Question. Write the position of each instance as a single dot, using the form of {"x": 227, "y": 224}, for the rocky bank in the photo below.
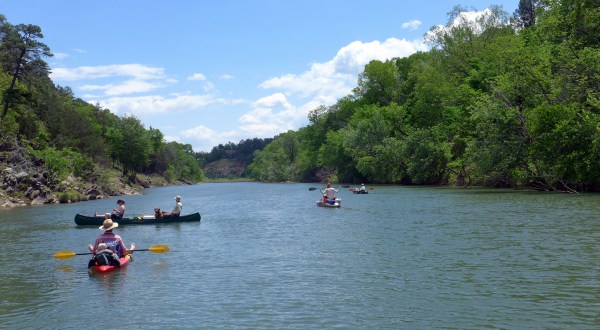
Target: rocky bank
{"x": 25, "y": 180}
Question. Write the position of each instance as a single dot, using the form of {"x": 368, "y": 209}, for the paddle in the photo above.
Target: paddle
{"x": 64, "y": 255}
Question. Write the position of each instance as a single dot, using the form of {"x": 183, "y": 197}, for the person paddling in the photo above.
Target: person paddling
{"x": 112, "y": 240}
{"x": 330, "y": 193}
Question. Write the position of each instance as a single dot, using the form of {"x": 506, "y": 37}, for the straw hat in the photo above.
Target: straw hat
{"x": 177, "y": 198}
{"x": 108, "y": 224}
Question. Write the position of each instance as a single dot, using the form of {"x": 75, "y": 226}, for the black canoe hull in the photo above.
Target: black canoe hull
{"x": 84, "y": 220}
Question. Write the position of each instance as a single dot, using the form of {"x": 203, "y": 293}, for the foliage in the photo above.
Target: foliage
{"x": 497, "y": 101}
{"x": 65, "y": 162}
{"x": 21, "y": 54}
{"x": 278, "y": 161}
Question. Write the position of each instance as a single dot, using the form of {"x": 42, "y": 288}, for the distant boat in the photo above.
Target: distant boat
{"x": 84, "y": 220}
{"x": 360, "y": 191}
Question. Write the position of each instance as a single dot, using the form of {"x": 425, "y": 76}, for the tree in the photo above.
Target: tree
{"x": 22, "y": 52}
{"x": 131, "y": 145}
{"x": 379, "y": 83}
{"x": 525, "y": 14}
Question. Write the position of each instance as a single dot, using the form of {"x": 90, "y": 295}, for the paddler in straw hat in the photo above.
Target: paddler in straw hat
{"x": 112, "y": 240}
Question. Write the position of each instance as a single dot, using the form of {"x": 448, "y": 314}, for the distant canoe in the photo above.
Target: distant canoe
{"x": 84, "y": 220}
{"x": 360, "y": 191}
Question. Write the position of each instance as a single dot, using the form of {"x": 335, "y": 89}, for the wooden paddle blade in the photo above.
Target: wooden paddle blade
{"x": 312, "y": 188}
{"x": 64, "y": 255}
{"x": 159, "y": 249}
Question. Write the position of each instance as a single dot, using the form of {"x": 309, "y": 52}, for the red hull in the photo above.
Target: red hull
{"x": 106, "y": 268}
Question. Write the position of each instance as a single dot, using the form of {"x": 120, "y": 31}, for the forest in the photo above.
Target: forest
{"x": 510, "y": 100}
{"x": 506, "y": 101}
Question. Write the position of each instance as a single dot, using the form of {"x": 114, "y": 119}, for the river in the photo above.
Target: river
{"x": 264, "y": 256}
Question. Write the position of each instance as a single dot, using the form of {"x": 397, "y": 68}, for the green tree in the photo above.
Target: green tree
{"x": 130, "y": 145}
{"x": 379, "y": 83}
{"x": 525, "y": 14}
{"x": 425, "y": 157}
{"x": 22, "y": 50}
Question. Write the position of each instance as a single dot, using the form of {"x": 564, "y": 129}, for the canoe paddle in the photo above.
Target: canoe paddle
{"x": 64, "y": 255}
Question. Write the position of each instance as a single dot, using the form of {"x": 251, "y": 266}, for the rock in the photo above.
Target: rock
{"x": 39, "y": 201}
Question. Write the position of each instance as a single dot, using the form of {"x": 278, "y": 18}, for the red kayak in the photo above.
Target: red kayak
{"x": 109, "y": 268}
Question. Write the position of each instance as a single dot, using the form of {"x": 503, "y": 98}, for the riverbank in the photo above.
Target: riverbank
{"x": 25, "y": 180}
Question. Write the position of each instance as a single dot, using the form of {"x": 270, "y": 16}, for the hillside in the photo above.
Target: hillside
{"x": 224, "y": 168}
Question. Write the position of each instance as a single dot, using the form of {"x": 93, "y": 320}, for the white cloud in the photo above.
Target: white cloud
{"x": 226, "y": 77}
{"x": 126, "y": 87}
{"x": 478, "y": 21}
{"x": 271, "y": 115}
{"x": 412, "y": 25}
{"x": 203, "y": 138}
{"x": 136, "y": 71}
{"x": 60, "y": 56}
{"x": 157, "y": 104}
{"x": 197, "y": 76}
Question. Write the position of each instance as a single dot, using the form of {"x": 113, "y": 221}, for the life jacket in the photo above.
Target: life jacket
{"x": 115, "y": 247}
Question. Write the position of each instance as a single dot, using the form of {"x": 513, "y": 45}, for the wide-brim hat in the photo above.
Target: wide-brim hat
{"x": 177, "y": 197}
{"x": 108, "y": 224}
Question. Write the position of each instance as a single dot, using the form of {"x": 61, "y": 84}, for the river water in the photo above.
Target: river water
{"x": 265, "y": 256}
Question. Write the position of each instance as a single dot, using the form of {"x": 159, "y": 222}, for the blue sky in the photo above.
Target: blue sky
{"x": 209, "y": 72}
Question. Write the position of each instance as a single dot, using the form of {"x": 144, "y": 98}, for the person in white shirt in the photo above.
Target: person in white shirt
{"x": 176, "y": 211}
{"x": 329, "y": 192}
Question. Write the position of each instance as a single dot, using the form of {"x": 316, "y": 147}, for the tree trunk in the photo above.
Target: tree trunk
{"x": 12, "y": 83}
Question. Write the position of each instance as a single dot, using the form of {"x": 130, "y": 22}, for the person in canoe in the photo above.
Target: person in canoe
{"x": 173, "y": 214}
{"x": 112, "y": 240}
{"x": 116, "y": 214}
{"x": 362, "y": 187}
{"x": 104, "y": 256}
{"x": 329, "y": 192}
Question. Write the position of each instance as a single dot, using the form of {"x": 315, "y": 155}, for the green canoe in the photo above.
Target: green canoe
{"x": 84, "y": 220}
